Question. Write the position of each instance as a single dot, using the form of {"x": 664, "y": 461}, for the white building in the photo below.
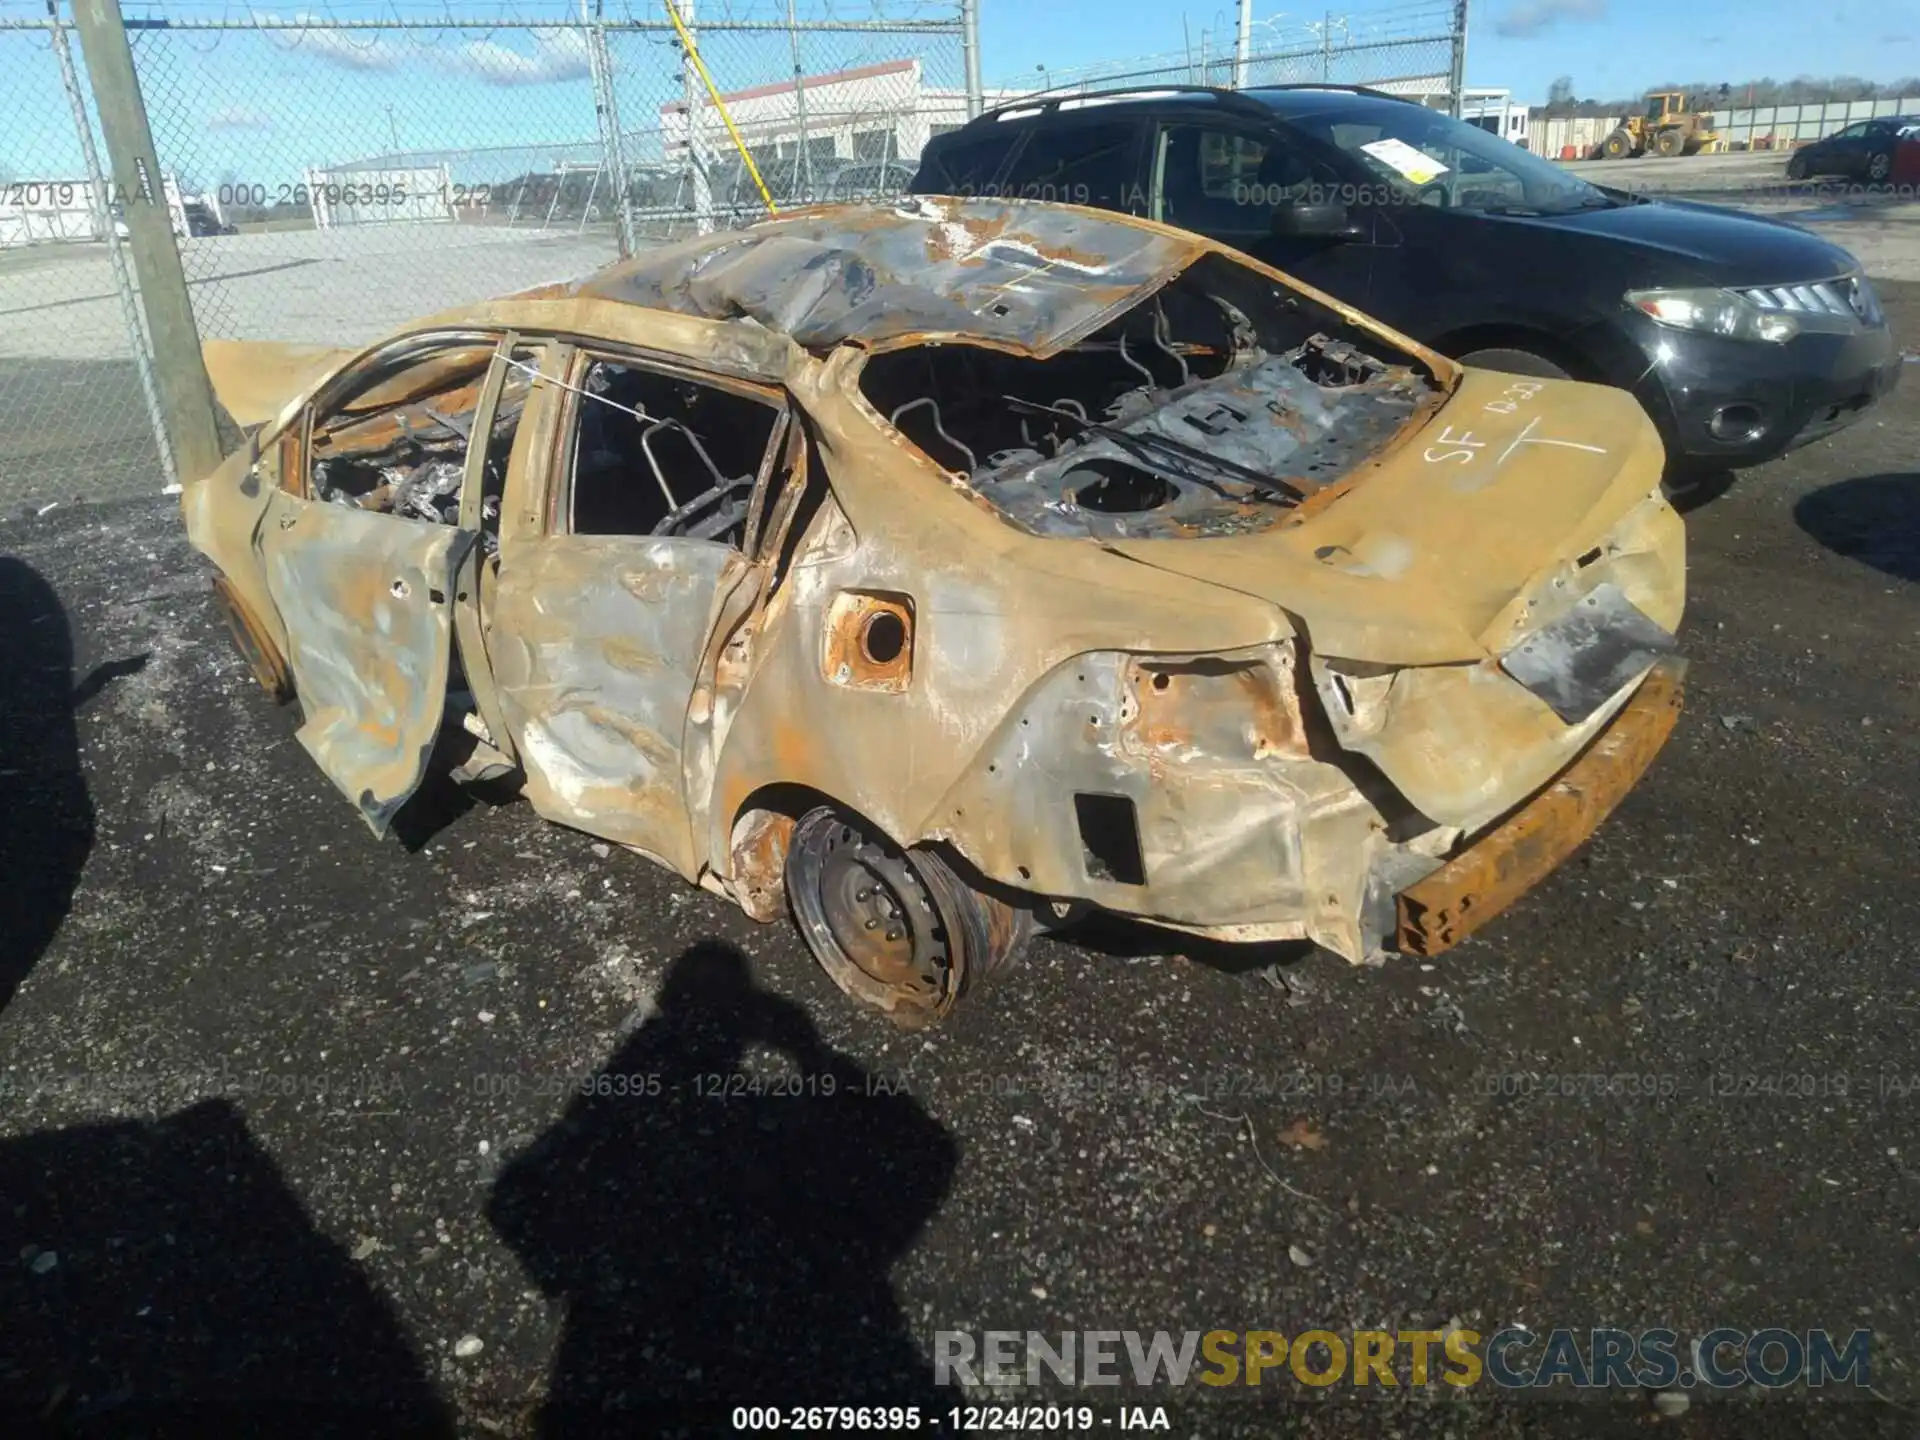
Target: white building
{"x": 868, "y": 116}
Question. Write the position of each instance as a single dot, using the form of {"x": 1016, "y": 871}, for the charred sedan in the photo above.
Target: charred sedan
{"x": 942, "y": 570}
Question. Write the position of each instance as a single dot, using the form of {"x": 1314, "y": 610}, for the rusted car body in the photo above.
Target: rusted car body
{"x": 951, "y": 567}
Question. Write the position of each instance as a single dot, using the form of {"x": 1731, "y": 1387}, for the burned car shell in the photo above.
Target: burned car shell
{"x": 1302, "y": 718}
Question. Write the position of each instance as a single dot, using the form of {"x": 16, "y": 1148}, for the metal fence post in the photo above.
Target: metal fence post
{"x": 606, "y": 107}
{"x": 803, "y": 155}
{"x": 185, "y": 394}
{"x": 970, "y": 54}
{"x": 692, "y": 97}
{"x": 116, "y": 256}
{"x": 1457, "y": 71}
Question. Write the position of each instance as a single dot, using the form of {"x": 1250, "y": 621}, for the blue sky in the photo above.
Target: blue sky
{"x": 1609, "y": 47}
{"x": 260, "y": 107}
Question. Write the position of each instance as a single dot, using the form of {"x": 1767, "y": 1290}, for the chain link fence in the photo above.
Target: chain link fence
{"x": 77, "y": 409}
{"x": 330, "y": 181}
{"x": 1417, "y": 50}
{"x": 837, "y": 110}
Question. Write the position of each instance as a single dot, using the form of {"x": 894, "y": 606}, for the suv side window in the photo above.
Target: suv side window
{"x": 1226, "y": 182}
{"x": 966, "y": 166}
{"x": 1080, "y": 164}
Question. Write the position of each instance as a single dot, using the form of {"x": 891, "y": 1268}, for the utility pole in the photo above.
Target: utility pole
{"x": 393, "y": 130}
{"x": 1243, "y": 45}
{"x": 186, "y": 396}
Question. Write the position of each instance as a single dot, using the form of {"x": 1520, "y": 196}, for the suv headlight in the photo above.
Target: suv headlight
{"x": 1714, "y": 312}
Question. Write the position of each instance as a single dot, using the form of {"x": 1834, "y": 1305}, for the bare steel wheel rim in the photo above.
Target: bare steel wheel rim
{"x": 880, "y": 913}
{"x": 873, "y": 920}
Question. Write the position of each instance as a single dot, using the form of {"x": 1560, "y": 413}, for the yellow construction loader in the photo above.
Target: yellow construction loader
{"x": 1670, "y": 126}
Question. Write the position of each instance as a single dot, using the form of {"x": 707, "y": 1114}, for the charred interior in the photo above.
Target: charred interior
{"x": 661, "y": 455}
{"x": 409, "y": 460}
{"x": 655, "y": 454}
{"x": 1210, "y": 408}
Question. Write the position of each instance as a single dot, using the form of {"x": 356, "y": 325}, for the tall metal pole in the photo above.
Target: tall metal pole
{"x": 186, "y": 395}
{"x": 606, "y": 108}
{"x": 692, "y": 97}
{"x": 116, "y": 253}
{"x": 1457, "y": 72}
{"x": 803, "y": 160}
{"x": 970, "y": 54}
{"x": 1243, "y": 45}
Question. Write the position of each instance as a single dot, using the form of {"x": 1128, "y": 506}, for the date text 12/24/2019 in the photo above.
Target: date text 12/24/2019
{"x": 955, "y": 1419}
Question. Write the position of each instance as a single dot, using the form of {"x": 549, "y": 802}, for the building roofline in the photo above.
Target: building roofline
{"x": 785, "y": 87}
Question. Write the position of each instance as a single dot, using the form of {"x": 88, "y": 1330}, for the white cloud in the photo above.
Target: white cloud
{"x": 355, "y": 49}
{"x": 239, "y": 117}
{"x": 557, "y": 55}
{"x": 1531, "y": 17}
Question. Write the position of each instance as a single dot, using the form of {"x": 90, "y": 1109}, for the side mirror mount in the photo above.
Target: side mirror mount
{"x": 1314, "y": 220}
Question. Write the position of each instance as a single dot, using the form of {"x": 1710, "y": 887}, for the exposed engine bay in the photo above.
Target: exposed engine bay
{"x": 1184, "y": 417}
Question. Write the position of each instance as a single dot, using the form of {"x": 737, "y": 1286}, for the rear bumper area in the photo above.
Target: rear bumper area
{"x": 1522, "y": 850}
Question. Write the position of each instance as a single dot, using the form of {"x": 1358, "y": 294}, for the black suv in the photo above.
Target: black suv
{"x": 1742, "y": 337}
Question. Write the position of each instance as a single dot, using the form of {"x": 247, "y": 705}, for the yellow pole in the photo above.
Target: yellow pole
{"x": 693, "y": 54}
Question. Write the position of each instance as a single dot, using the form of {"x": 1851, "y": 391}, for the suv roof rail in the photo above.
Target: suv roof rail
{"x": 1049, "y": 102}
{"x": 1335, "y": 85}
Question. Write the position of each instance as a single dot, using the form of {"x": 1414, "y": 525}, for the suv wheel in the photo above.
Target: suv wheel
{"x": 1514, "y": 362}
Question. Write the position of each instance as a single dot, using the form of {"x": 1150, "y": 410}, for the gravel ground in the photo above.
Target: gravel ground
{"x": 292, "y": 1137}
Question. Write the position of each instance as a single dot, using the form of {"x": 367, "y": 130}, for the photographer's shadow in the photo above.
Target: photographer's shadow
{"x": 714, "y": 1246}
{"x": 46, "y": 814}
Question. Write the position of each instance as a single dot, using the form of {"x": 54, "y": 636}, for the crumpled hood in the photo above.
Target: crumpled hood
{"x": 1426, "y": 556}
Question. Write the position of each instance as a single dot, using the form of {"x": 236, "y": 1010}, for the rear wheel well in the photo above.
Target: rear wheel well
{"x": 757, "y": 845}
{"x": 1518, "y": 337}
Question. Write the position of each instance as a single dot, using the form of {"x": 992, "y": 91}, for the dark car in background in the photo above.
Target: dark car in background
{"x": 201, "y": 220}
{"x": 1863, "y": 151}
{"x": 1742, "y": 337}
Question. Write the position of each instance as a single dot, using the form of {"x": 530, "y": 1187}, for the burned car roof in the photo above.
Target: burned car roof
{"x": 1010, "y": 271}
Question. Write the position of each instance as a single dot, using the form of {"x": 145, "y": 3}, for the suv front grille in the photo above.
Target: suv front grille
{"x": 1848, "y": 298}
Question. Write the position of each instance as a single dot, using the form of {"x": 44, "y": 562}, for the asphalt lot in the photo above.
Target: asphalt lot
{"x": 296, "y": 1113}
